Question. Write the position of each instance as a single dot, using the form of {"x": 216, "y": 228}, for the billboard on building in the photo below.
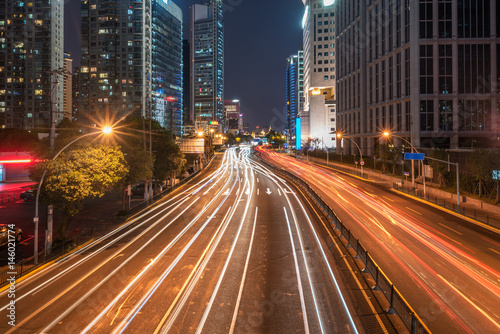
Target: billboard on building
{"x": 192, "y": 145}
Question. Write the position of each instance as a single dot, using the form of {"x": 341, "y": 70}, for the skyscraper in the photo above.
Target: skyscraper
{"x": 167, "y": 80}
{"x": 116, "y": 66}
{"x": 429, "y": 74}
{"x": 68, "y": 86}
{"x": 294, "y": 94}
{"x": 207, "y": 64}
{"x": 318, "y": 117}
{"x": 31, "y": 63}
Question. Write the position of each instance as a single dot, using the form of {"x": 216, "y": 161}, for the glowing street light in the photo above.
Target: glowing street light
{"x": 388, "y": 135}
{"x": 340, "y": 137}
{"x": 106, "y": 130}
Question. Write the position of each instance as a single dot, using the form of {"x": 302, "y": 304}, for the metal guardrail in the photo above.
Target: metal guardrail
{"x": 480, "y": 216}
{"x": 398, "y": 304}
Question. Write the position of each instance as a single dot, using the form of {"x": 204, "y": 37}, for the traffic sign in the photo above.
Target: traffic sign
{"x": 362, "y": 163}
{"x": 407, "y": 173}
{"x": 356, "y": 162}
{"x": 414, "y": 156}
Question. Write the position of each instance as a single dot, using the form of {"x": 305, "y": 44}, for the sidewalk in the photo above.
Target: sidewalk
{"x": 476, "y": 211}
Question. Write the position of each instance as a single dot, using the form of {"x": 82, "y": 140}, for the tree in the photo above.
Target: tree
{"x": 77, "y": 175}
{"x": 482, "y": 163}
{"x": 168, "y": 158}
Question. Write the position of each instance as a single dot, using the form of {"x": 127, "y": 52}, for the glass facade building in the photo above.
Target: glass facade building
{"x": 294, "y": 93}
{"x": 167, "y": 69}
{"x": 32, "y": 50}
{"x": 207, "y": 64}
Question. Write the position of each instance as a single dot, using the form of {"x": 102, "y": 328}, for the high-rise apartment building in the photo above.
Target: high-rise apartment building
{"x": 233, "y": 116}
{"x": 68, "y": 86}
{"x": 207, "y": 65}
{"x": 31, "y": 63}
{"x": 116, "y": 67}
{"x": 318, "y": 116}
{"x": 167, "y": 79}
{"x": 429, "y": 74}
{"x": 294, "y": 95}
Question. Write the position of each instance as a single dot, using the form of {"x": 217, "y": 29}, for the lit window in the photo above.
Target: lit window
{"x": 38, "y": 92}
{"x": 93, "y": 69}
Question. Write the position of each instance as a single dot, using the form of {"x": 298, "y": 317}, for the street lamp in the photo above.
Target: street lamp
{"x": 106, "y": 130}
{"x": 340, "y": 137}
{"x": 387, "y": 135}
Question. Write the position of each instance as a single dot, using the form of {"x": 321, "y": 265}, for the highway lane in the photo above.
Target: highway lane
{"x": 236, "y": 252}
{"x": 447, "y": 268}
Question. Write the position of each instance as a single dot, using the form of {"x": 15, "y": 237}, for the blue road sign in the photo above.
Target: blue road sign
{"x": 414, "y": 156}
{"x": 407, "y": 173}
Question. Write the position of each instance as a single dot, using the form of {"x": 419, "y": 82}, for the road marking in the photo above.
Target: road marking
{"x": 258, "y": 191}
{"x": 470, "y": 302}
{"x": 238, "y": 301}
{"x": 418, "y": 213}
{"x": 257, "y": 180}
{"x": 297, "y": 271}
{"x": 279, "y": 191}
{"x": 449, "y": 228}
{"x": 493, "y": 250}
{"x": 269, "y": 192}
{"x": 388, "y": 198}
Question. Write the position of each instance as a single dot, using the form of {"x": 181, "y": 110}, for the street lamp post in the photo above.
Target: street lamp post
{"x": 340, "y": 137}
{"x": 106, "y": 130}
{"x": 387, "y": 134}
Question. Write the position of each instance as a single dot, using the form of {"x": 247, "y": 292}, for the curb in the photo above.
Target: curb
{"x": 470, "y": 220}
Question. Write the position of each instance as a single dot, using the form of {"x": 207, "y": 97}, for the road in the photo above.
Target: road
{"x": 236, "y": 252}
{"x": 446, "y": 267}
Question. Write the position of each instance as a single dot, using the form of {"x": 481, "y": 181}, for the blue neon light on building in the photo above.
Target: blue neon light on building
{"x": 298, "y": 139}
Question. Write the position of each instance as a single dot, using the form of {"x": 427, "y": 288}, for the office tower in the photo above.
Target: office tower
{"x": 75, "y": 113}
{"x": 68, "y": 86}
{"x": 207, "y": 61}
{"x": 167, "y": 79}
{"x": 116, "y": 66}
{"x": 294, "y": 95}
{"x": 233, "y": 117}
{"x": 317, "y": 117}
{"x": 186, "y": 81}
{"x": 429, "y": 74}
{"x": 31, "y": 63}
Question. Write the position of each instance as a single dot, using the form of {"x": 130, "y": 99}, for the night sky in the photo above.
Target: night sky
{"x": 259, "y": 36}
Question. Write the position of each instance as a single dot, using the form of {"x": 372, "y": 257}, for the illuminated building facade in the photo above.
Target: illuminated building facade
{"x": 429, "y": 74}
{"x": 116, "y": 67}
{"x": 32, "y": 41}
{"x": 207, "y": 64}
{"x": 233, "y": 116}
{"x": 294, "y": 94}
{"x": 167, "y": 80}
{"x": 318, "y": 115}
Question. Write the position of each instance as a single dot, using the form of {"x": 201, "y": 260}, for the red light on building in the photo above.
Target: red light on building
{"x": 20, "y": 161}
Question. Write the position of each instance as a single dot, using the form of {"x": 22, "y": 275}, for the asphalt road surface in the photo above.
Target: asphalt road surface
{"x": 447, "y": 268}
{"x": 238, "y": 252}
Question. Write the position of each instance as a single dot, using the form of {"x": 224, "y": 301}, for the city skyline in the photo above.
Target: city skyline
{"x": 245, "y": 42}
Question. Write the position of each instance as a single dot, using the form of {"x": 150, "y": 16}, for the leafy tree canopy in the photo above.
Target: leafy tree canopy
{"x": 80, "y": 174}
